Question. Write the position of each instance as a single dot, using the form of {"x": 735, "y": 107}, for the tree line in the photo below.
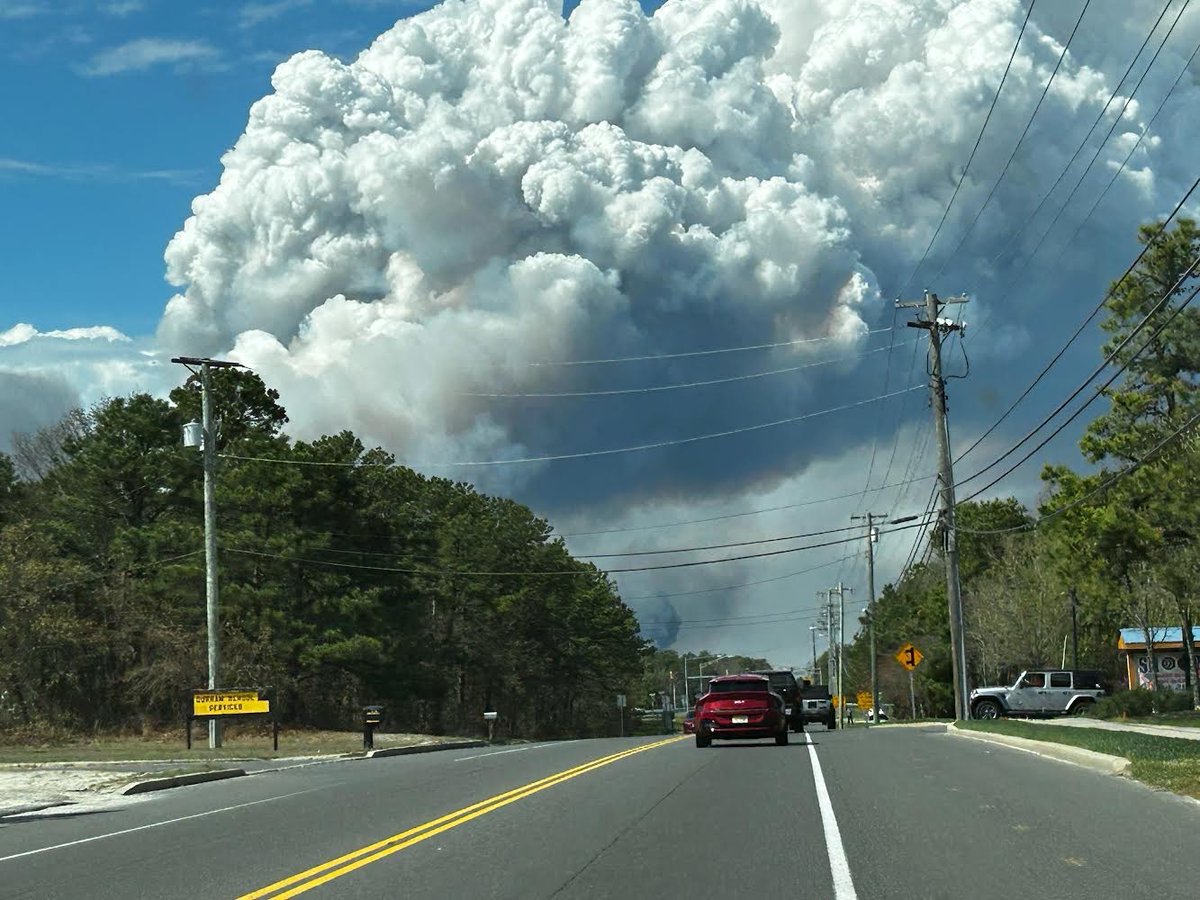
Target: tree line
{"x": 1116, "y": 545}
{"x": 345, "y": 579}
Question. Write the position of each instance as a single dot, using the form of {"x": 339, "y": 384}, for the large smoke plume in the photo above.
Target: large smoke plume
{"x": 490, "y": 187}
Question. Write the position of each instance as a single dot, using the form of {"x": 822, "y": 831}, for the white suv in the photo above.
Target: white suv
{"x": 1039, "y": 692}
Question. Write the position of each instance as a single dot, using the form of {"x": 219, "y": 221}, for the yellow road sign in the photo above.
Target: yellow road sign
{"x": 909, "y": 656}
{"x": 228, "y": 703}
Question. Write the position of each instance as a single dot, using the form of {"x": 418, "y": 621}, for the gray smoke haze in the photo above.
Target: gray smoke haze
{"x": 489, "y": 188}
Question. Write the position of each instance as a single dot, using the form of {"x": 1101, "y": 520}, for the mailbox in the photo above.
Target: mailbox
{"x": 372, "y": 715}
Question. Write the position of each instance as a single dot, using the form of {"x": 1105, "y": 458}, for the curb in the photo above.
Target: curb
{"x": 31, "y": 808}
{"x": 1088, "y": 759}
{"x": 161, "y": 784}
{"x": 423, "y": 748}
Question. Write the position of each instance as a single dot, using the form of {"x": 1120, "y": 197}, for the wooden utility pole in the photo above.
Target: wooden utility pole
{"x": 937, "y": 327}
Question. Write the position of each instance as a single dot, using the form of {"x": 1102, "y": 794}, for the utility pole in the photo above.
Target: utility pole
{"x": 872, "y": 537}
{"x": 827, "y": 623}
{"x": 841, "y": 591}
{"x": 937, "y": 327}
{"x": 1074, "y": 630}
{"x": 208, "y": 447}
{"x": 816, "y": 673}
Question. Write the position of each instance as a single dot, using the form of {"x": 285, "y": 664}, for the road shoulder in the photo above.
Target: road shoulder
{"x": 1090, "y": 759}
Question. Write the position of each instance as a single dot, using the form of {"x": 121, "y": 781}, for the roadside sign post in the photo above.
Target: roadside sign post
{"x": 910, "y": 657}
{"x": 214, "y": 705}
{"x": 621, "y": 712}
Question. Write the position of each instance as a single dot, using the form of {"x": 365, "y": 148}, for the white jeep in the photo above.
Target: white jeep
{"x": 1039, "y": 692}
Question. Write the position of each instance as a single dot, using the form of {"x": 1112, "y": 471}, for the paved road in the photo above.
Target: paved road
{"x": 881, "y": 814}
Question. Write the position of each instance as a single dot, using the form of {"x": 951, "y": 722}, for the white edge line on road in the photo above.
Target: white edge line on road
{"x": 498, "y": 752}
{"x": 843, "y": 884}
{"x": 100, "y": 837}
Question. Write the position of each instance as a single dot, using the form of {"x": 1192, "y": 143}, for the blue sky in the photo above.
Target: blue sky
{"x": 116, "y": 116}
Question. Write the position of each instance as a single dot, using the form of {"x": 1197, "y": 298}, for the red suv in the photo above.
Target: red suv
{"x": 738, "y": 707}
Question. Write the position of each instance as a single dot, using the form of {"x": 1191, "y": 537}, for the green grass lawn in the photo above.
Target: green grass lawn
{"x": 1171, "y": 763}
{"x": 238, "y": 743}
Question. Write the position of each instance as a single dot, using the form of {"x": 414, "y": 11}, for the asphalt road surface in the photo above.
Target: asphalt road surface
{"x": 905, "y": 813}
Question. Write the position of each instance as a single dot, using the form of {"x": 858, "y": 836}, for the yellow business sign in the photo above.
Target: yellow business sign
{"x": 228, "y": 703}
{"x": 909, "y": 657}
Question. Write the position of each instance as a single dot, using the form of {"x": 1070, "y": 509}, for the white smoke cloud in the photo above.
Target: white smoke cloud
{"x": 488, "y": 188}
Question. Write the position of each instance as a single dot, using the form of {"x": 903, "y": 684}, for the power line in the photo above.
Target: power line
{"x": 1159, "y": 304}
{"x": 771, "y": 540}
{"x": 1020, "y": 230}
{"x": 801, "y": 613}
{"x": 733, "y": 587}
{"x": 929, "y": 247}
{"x": 674, "y": 387}
{"x": 738, "y": 515}
{"x": 592, "y": 453}
{"x": 1103, "y": 486}
{"x": 1078, "y": 331}
{"x": 962, "y": 176}
{"x": 1085, "y": 405}
{"x": 621, "y": 359}
{"x": 780, "y": 621}
{"x": 627, "y": 553}
{"x": 1041, "y": 241}
{"x": 912, "y": 553}
{"x": 1029, "y": 124}
{"x": 1125, "y": 162}
{"x": 590, "y": 572}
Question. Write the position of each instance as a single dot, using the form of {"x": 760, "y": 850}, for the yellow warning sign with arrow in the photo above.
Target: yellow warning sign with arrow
{"x": 909, "y": 656}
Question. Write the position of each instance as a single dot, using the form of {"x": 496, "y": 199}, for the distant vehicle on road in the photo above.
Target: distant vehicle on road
{"x": 816, "y": 706}
{"x": 689, "y": 722}
{"x": 1040, "y": 692}
{"x": 739, "y": 707}
{"x": 783, "y": 683}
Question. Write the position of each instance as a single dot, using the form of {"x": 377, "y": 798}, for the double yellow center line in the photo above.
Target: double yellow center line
{"x": 335, "y": 868}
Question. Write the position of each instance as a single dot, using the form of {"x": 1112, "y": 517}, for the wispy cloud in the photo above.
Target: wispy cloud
{"x": 144, "y": 53}
{"x": 67, "y": 39}
{"x": 121, "y": 8}
{"x": 23, "y": 332}
{"x": 94, "y": 172}
{"x": 17, "y": 9}
{"x": 253, "y": 14}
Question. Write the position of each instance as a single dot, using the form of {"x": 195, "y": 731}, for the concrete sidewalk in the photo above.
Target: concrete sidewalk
{"x": 1171, "y": 731}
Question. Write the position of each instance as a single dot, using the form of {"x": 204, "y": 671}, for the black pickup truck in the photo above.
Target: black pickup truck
{"x": 783, "y": 683}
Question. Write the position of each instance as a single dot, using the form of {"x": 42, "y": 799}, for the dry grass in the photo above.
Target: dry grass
{"x": 240, "y": 742}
